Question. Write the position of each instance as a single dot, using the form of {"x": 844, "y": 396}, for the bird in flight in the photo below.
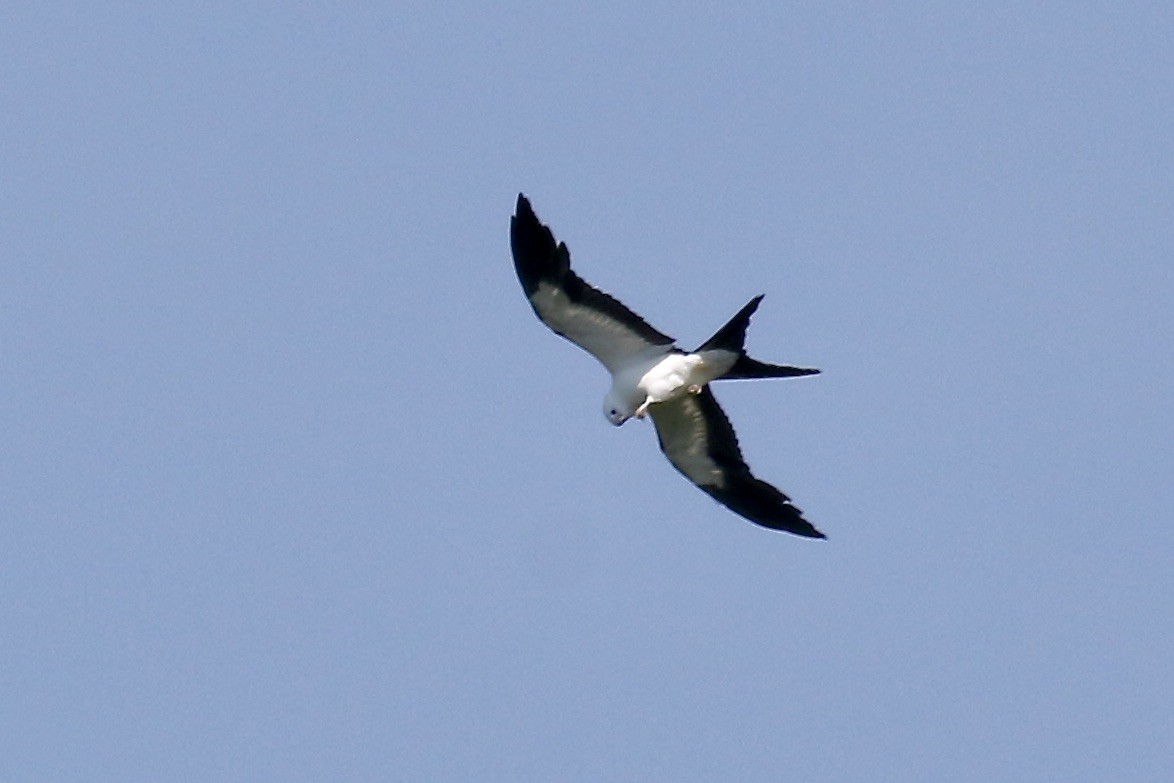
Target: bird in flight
{"x": 650, "y": 376}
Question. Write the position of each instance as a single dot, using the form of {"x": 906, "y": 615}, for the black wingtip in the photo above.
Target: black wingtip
{"x": 799, "y": 527}
{"x": 762, "y": 504}
{"x": 536, "y": 254}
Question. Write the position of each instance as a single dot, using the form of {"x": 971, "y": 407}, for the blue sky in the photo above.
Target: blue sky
{"x": 295, "y": 487}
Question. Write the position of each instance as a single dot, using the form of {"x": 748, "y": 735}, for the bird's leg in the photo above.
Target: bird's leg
{"x": 642, "y": 411}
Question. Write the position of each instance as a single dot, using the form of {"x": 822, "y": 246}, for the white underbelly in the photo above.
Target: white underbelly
{"x": 674, "y": 374}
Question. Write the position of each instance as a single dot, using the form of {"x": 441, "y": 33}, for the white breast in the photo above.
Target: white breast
{"x": 672, "y": 375}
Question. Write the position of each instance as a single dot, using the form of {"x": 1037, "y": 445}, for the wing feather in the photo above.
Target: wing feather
{"x": 595, "y": 321}
{"x": 700, "y": 442}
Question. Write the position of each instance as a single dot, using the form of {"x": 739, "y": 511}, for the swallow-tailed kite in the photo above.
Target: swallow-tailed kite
{"x": 651, "y": 376}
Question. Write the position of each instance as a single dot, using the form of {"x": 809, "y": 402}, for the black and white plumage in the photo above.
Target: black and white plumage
{"x": 651, "y": 376}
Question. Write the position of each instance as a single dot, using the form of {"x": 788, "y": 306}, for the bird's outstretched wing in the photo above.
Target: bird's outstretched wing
{"x": 698, "y": 439}
{"x": 591, "y": 319}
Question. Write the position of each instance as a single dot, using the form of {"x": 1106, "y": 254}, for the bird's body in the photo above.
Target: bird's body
{"x": 677, "y": 374}
{"x": 646, "y": 381}
{"x": 651, "y": 376}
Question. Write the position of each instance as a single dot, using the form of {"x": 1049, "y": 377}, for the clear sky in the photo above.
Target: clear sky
{"x": 294, "y": 486}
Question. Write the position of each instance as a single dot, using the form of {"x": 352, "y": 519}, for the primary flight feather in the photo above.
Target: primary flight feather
{"x": 651, "y": 376}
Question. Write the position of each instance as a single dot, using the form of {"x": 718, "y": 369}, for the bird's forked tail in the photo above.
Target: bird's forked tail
{"x": 732, "y": 338}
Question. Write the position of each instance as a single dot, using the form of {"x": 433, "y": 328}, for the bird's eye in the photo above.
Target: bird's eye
{"x": 613, "y": 411}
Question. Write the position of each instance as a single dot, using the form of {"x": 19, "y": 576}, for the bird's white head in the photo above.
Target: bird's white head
{"x": 616, "y": 409}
